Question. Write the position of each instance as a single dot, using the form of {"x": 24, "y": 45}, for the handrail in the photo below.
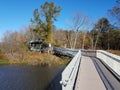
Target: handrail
{"x": 110, "y": 55}
{"x": 70, "y": 73}
{"x": 111, "y": 60}
{"x": 65, "y": 51}
{"x": 90, "y": 53}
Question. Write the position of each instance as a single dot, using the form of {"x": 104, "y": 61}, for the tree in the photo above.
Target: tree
{"x": 43, "y": 20}
{"x": 13, "y": 45}
{"x": 114, "y": 39}
{"x": 30, "y": 34}
{"x": 60, "y": 38}
{"x": 115, "y": 13}
{"x": 101, "y": 32}
{"x": 79, "y": 21}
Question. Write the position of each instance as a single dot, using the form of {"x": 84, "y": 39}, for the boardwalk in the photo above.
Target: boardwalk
{"x": 88, "y": 77}
{"x": 99, "y": 71}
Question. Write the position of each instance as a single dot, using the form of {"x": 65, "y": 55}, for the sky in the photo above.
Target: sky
{"x": 15, "y": 14}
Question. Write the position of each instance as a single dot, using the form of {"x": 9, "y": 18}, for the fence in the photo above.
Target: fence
{"x": 70, "y": 73}
{"x": 65, "y": 51}
{"x": 91, "y": 53}
{"x": 111, "y": 60}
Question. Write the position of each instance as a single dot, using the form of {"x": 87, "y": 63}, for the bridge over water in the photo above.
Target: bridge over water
{"x": 90, "y": 70}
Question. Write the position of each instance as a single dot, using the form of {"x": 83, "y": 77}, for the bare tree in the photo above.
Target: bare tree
{"x": 13, "y": 44}
{"x": 86, "y": 28}
{"x": 30, "y": 34}
{"x": 9, "y": 42}
{"x": 114, "y": 14}
{"x": 79, "y": 21}
{"x": 60, "y": 38}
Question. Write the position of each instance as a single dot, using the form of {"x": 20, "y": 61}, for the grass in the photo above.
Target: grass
{"x": 3, "y": 62}
{"x": 117, "y": 52}
{"x": 35, "y": 58}
{"x": 46, "y": 59}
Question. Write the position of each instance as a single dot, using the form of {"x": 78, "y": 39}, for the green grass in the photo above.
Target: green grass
{"x": 3, "y": 62}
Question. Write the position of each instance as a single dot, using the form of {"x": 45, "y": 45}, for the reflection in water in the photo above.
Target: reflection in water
{"x": 27, "y": 77}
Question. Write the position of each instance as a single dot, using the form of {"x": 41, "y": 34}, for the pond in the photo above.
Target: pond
{"x": 27, "y": 77}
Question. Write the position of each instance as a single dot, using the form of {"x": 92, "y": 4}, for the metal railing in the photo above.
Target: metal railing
{"x": 90, "y": 53}
{"x": 65, "y": 51}
{"x": 70, "y": 73}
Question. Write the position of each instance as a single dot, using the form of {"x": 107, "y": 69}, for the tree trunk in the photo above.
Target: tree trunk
{"x": 75, "y": 39}
{"x": 83, "y": 41}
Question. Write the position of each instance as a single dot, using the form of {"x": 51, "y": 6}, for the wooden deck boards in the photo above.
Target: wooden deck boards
{"x": 88, "y": 77}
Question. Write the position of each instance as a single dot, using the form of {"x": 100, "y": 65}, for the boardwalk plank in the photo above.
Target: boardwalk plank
{"x": 88, "y": 77}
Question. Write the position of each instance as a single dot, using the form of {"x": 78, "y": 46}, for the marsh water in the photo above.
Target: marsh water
{"x": 27, "y": 77}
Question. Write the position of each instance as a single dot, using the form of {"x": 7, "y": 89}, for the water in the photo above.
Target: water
{"x": 27, "y": 77}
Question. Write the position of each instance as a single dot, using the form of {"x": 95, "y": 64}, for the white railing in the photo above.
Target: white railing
{"x": 65, "y": 51}
{"x": 91, "y": 53}
{"x": 70, "y": 73}
{"x": 113, "y": 61}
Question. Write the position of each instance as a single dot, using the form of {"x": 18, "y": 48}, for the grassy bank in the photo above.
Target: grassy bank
{"x": 34, "y": 58}
{"x": 3, "y": 62}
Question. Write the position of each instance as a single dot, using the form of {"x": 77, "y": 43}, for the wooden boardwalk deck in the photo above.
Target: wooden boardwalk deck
{"x": 88, "y": 77}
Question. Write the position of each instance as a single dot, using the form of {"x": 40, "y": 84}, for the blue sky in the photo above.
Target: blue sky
{"x": 14, "y": 14}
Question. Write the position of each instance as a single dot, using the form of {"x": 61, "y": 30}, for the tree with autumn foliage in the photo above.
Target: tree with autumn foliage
{"x": 43, "y": 20}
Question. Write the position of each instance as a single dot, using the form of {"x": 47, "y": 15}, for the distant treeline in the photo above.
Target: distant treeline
{"x": 103, "y": 34}
{"x": 89, "y": 39}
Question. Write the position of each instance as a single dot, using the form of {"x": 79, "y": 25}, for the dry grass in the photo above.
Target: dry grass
{"x": 117, "y": 52}
{"x": 35, "y": 58}
{"x": 45, "y": 59}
